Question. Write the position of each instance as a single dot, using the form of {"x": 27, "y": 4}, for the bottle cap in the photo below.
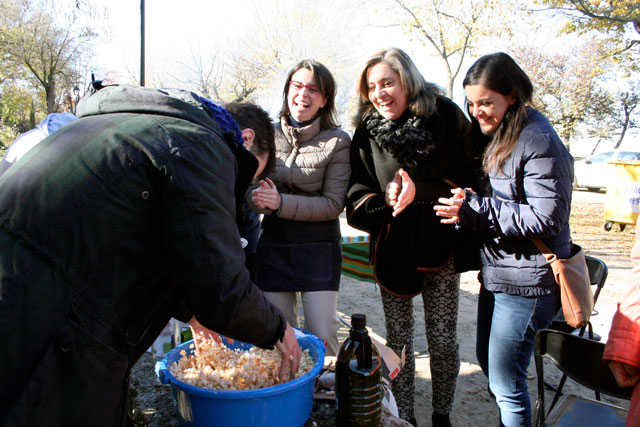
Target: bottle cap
{"x": 358, "y": 321}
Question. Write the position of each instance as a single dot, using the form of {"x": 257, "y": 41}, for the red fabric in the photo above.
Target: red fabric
{"x": 623, "y": 344}
{"x": 633, "y": 418}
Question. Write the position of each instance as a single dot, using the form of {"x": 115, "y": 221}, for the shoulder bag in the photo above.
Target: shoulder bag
{"x": 572, "y": 276}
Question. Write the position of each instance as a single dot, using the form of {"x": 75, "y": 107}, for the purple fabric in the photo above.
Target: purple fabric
{"x": 224, "y": 119}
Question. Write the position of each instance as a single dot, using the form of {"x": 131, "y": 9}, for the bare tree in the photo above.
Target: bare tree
{"x": 629, "y": 101}
{"x": 566, "y": 85}
{"x": 283, "y": 32}
{"x": 619, "y": 112}
{"x": 208, "y": 71}
{"x": 453, "y": 28}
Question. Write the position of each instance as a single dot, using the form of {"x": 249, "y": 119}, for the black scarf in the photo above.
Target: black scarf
{"x": 405, "y": 138}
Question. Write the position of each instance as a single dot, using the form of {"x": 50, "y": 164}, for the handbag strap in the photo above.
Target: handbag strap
{"x": 548, "y": 255}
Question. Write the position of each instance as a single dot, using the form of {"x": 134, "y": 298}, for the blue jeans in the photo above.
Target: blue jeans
{"x": 507, "y": 325}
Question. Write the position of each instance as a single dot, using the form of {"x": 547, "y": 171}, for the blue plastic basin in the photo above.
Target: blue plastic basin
{"x": 283, "y": 405}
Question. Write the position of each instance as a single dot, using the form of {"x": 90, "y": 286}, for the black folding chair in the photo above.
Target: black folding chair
{"x": 598, "y": 273}
{"x": 581, "y": 360}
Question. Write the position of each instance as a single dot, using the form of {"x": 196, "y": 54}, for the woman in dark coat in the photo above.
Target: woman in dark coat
{"x": 405, "y": 154}
{"x": 531, "y": 175}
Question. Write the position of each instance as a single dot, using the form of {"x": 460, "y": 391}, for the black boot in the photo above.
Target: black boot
{"x": 413, "y": 422}
{"x": 440, "y": 420}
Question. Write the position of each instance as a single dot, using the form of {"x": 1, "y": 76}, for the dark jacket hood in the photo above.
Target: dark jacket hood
{"x": 178, "y": 103}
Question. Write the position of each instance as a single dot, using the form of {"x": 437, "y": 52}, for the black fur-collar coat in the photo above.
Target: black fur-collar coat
{"x": 403, "y": 247}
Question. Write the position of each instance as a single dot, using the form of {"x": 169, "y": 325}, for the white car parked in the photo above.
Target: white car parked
{"x": 594, "y": 172}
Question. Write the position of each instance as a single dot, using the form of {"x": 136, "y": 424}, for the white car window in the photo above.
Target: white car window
{"x": 601, "y": 158}
{"x": 628, "y": 155}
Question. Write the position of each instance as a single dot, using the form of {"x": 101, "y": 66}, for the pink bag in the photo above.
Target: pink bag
{"x": 572, "y": 276}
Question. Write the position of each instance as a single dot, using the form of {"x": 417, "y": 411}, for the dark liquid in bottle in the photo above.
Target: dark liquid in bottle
{"x": 358, "y": 387}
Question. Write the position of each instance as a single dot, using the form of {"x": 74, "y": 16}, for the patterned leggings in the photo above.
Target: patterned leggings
{"x": 440, "y": 298}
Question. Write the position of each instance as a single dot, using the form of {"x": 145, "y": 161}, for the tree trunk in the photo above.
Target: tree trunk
{"x": 620, "y": 139}
{"x": 50, "y": 92}
{"x": 450, "y": 88}
{"x": 625, "y": 126}
{"x": 32, "y": 116}
{"x": 567, "y": 143}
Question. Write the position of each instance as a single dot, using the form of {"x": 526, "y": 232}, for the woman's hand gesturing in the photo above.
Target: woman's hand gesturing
{"x": 450, "y": 207}
{"x": 267, "y": 196}
{"x": 400, "y": 192}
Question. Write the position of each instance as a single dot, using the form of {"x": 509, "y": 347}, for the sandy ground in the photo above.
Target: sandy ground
{"x": 473, "y": 405}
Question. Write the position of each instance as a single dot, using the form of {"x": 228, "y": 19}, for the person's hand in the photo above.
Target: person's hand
{"x": 392, "y": 191}
{"x": 200, "y": 332}
{"x": 290, "y": 352}
{"x": 400, "y": 192}
{"x": 266, "y": 196}
{"x": 450, "y": 207}
{"x": 625, "y": 375}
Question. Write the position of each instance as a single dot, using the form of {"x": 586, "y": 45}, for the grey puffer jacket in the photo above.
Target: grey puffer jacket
{"x": 312, "y": 171}
{"x": 299, "y": 249}
{"x": 531, "y": 198}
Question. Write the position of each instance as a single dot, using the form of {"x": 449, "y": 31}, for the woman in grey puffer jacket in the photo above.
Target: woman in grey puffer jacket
{"x": 299, "y": 250}
{"x": 531, "y": 175}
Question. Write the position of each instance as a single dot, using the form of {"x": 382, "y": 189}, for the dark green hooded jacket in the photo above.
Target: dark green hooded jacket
{"x": 108, "y": 228}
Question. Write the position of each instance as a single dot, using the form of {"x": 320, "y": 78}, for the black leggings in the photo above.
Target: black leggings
{"x": 440, "y": 298}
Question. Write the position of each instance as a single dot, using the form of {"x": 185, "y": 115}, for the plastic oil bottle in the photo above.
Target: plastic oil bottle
{"x": 358, "y": 386}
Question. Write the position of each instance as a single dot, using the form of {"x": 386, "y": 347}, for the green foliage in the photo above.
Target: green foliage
{"x": 618, "y": 21}
{"x": 7, "y": 135}
{"x": 601, "y": 15}
{"x": 17, "y": 107}
{"x": 42, "y": 47}
{"x": 186, "y": 335}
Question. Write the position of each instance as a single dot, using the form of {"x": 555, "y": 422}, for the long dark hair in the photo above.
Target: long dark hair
{"x": 421, "y": 95}
{"x": 327, "y": 85}
{"x": 500, "y": 73}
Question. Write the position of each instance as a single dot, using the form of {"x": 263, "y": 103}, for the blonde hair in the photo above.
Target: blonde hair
{"x": 421, "y": 95}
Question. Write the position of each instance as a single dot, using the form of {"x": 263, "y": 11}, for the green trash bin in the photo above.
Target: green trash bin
{"x": 622, "y": 204}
